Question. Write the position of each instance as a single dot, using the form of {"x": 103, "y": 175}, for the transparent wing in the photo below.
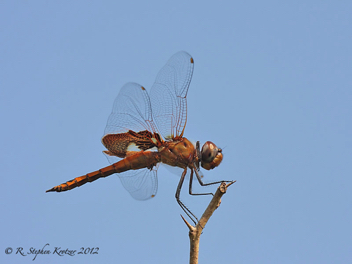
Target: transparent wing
{"x": 168, "y": 95}
{"x": 141, "y": 184}
{"x": 131, "y": 111}
{"x": 177, "y": 171}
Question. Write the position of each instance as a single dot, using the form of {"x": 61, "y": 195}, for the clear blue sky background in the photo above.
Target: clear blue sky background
{"x": 272, "y": 85}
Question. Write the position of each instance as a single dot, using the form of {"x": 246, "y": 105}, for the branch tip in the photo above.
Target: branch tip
{"x": 227, "y": 185}
{"x": 190, "y": 227}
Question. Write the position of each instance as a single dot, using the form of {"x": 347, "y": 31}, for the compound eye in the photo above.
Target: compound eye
{"x": 209, "y": 152}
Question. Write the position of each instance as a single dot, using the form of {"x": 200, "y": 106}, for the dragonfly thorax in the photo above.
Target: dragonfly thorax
{"x": 180, "y": 153}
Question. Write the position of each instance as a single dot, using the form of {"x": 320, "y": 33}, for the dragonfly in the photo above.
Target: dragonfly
{"x": 144, "y": 130}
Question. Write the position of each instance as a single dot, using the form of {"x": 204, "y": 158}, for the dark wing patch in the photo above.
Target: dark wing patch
{"x": 118, "y": 144}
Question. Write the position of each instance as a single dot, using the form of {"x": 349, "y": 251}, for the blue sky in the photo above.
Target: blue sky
{"x": 271, "y": 86}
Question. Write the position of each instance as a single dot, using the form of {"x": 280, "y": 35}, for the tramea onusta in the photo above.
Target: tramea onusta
{"x": 143, "y": 131}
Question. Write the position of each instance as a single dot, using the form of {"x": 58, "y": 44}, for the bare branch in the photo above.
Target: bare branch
{"x": 188, "y": 224}
{"x": 196, "y": 231}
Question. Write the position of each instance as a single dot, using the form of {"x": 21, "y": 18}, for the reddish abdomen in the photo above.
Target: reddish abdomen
{"x": 138, "y": 161}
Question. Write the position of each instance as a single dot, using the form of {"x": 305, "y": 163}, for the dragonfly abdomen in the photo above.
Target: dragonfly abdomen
{"x": 144, "y": 159}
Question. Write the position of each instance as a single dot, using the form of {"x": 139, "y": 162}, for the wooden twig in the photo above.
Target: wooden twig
{"x": 196, "y": 231}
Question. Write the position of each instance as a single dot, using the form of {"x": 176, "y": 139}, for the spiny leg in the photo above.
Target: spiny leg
{"x": 206, "y": 184}
{"x": 177, "y": 195}
{"x": 190, "y": 184}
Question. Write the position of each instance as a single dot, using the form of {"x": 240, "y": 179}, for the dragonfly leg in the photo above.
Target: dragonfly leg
{"x": 206, "y": 184}
{"x": 177, "y": 195}
{"x": 190, "y": 185}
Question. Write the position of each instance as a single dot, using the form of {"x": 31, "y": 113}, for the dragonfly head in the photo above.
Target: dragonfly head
{"x": 211, "y": 155}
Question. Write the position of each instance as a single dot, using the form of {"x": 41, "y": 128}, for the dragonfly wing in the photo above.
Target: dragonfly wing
{"x": 129, "y": 127}
{"x": 141, "y": 184}
{"x": 168, "y": 95}
{"x": 177, "y": 171}
{"x": 131, "y": 111}
{"x": 111, "y": 158}
{"x": 130, "y": 124}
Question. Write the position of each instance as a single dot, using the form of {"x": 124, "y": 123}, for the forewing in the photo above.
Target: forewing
{"x": 168, "y": 95}
{"x": 177, "y": 171}
{"x": 141, "y": 184}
